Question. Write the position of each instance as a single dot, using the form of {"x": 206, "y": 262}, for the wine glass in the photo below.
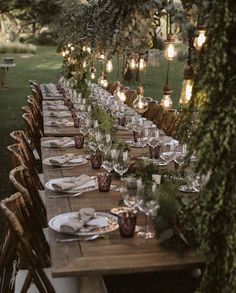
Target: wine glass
{"x": 107, "y": 160}
{"x": 147, "y": 203}
{"x": 189, "y": 176}
{"x": 122, "y": 166}
{"x": 179, "y": 156}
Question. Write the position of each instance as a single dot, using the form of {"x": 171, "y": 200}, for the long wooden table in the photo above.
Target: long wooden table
{"x": 116, "y": 255}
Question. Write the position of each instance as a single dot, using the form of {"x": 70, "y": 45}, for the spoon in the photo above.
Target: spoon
{"x": 89, "y": 238}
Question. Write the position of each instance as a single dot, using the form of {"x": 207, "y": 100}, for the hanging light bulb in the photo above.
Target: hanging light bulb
{"x": 142, "y": 63}
{"x": 89, "y": 50}
{"x": 132, "y": 64}
{"x": 67, "y": 52}
{"x": 166, "y": 101}
{"x": 102, "y": 56}
{"x": 102, "y": 81}
{"x": 170, "y": 48}
{"x": 105, "y": 82}
{"x": 84, "y": 64}
{"x": 92, "y": 72}
{"x": 200, "y": 38}
{"x": 63, "y": 53}
{"x": 109, "y": 66}
{"x": 140, "y": 104}
{"x": 119, "y": 93}
{"x": 72, "y": 48}
{"x": 69, "y": 45}
{"x": 187, "y": 86}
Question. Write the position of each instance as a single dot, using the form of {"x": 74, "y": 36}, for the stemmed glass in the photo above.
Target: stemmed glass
{"x": 107, "y": 160}
{"x": 179, "y": 155}
{"x": 148, "y": 204}
{"x": 122, "y": 166}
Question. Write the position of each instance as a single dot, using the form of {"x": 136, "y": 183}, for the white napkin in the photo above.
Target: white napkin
{"x": 60, "y": 114}
{"x": 82, "y": 182}
{"x": 60, "y": 142}
{"x": 57, "y": 107}
{"x": 73, "y": 225}
{"x": 63, "y": 122}
{"x": 53, "y": 103}
{"x": 60, "y": 160}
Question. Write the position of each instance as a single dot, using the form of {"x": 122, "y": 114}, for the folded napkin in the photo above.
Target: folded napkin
{"x": 57, "y": 107}
{"x": 60, "y": 142}
{"x": 60, "y": 114}
{"x": 63, "y": 122}
{"x": 60, "y": 160}
{"x": 54, "y": 103}
{"x": 75, "y": 224}
{"x": 82, "y": 182}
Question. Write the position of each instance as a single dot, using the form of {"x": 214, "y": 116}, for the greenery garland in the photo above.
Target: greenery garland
{"x": 212, "y": 138}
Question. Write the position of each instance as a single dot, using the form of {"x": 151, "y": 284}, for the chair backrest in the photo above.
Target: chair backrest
{"x": 130, "y": 97}
{"x": 33, "y": 131}
{"x": 23, "y": 182}
{"x": 29, "y": 248}
{"x": 20, "y": 137}
{"x": 20, "y": 158}
{"x": 24, "y": 229}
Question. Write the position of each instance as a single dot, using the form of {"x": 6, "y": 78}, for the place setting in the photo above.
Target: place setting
{"x": 67, "y": 161}
{"x": 64, "y": 142}
{"x": 71, "y": 186}
{"x": 57, "y": 114}
{"x": 59, "y": 123}
{"x": 86, "y": 224}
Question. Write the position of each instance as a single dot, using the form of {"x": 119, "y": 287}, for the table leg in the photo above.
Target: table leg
{"x": 92, "y": 284}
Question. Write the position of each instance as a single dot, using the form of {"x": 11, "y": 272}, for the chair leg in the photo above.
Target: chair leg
{"x": 46, "y": 281}
{"x": 27, "y": 283}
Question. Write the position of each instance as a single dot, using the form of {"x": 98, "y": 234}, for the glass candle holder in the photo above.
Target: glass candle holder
{"x": 127, "y": 223}
{"x": 77, "y": 122}
{"x": 154, "y": 152}
{"x": 104, "y": 181}
{"x": 122, "y": 121}
{"x": 66, "y": 102}
{"x": 73, "y": 113}
{"x": 135, "y": 134}
{"x": 79, "y": 141}
{"x": 96, "y": 160}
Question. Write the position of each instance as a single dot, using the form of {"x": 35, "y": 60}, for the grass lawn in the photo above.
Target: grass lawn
{"x": 45, "y": 67}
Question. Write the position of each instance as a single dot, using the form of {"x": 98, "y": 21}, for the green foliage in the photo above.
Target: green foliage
{"x": 15, "y": 47}
{"x": 211, "y": 138}
{"x": 106, "y": 122}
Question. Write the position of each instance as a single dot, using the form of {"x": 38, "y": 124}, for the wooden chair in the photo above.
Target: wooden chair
{"x": 20, "y": 158}
{"x": 168, "y": 121}
{"x": 28, "y": 248}
{"x": 159, "y": 115}
{"x": 8, "y": 257}
{"x": 20, "y": 137}
{"x": 22, "y": 182}
{"x": 34, "y": 133}
{"x": 36, "y": 112}
{"x": 112, "y": 87}
{"x": 130, "y": 97}
{"x": 37, "y": 93}
{"x": 150, "y": 113}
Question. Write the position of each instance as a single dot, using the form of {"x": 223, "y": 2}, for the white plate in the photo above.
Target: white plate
{"x": 72, "y": 162}
{"x": 49, "y": 186}
{"x": 134, "y": 144}
{"x": 48, "y": 145}
{"x": 55, "y": 223}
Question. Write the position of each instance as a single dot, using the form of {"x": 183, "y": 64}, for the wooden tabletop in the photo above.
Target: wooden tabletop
{"x": 47, "y": 96}
{"x": 103, "y": 256}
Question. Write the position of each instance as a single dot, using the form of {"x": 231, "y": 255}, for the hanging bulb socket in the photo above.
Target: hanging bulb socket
{"x": 139, "y": 90}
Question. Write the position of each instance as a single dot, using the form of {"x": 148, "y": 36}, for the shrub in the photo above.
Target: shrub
{"x": 16, "y": 47}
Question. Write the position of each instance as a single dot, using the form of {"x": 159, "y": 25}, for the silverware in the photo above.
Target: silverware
{"x": 65, "y": 195}
{"x": 89, "y": 238}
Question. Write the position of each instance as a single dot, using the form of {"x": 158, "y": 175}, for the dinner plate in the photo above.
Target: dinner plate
{"x": 55, "y": 223}
{"x": 118, "y": 210}
{"x": 48, "y": 145}
{"x": 79, "y": 160}
{"x": 134, "y": 144}
{"x": 49, "y": 186}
